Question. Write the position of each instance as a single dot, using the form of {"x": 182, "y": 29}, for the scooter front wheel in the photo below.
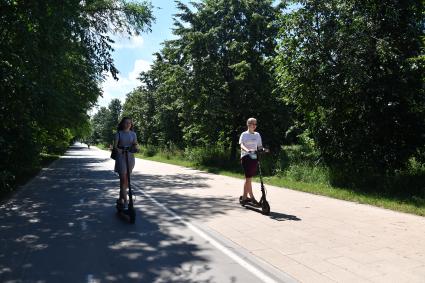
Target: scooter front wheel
{"x": 265, "y": 208}
{"x": 132, "y": 215}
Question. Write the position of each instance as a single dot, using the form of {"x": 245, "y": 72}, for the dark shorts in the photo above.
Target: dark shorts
{"x": 249, "y": 166}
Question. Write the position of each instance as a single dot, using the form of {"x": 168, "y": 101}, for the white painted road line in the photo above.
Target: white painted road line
{"x": 255, "y": 271}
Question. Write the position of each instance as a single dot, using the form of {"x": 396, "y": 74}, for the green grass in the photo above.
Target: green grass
{"x": 412, "y": 205}
{"x": 102, "y": 146}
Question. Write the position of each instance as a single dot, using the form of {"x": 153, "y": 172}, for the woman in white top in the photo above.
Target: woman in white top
{"x": 250, "y": 141}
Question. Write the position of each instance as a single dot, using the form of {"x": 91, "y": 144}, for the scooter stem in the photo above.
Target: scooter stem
{"x": 130, "y": 193}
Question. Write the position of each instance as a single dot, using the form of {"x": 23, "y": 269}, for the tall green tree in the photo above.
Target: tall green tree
{"x": 140, "y": 106}
{"x": 349, "y": 69}
{"x": 115, "y": 110}
{"x": 53, "y": 56}
{"x": 227, "y": 49}
{"x": 104, "y": 122}
{"x": 156, "y": 106}
{"x": 101, "y": 132}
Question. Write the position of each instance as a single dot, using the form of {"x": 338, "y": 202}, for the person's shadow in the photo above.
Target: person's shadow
{"x": 276, "y": 215}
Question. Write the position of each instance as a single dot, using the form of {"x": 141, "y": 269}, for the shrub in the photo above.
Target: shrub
{"x": 210, "y": 156}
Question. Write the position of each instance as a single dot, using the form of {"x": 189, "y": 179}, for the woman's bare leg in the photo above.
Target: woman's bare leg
{"x": 247, "y": 188}
{"x": 123, "y": 186}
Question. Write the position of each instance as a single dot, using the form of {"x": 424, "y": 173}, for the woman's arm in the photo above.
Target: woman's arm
{"x": 116, "y": 141}
{"x": 259, "y": 142}
{"x": 135, "y": 143}
{"x": 244, "y": 147}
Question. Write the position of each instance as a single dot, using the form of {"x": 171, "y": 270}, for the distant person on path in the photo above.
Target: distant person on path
{"x": 125, "y": 137}
{"x": 250, "y": 141}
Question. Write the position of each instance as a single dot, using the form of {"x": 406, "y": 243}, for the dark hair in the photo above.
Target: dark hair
{"x": 121, "y": 124}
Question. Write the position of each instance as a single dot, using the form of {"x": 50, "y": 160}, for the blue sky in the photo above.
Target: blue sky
{"x": 135, "y": 54}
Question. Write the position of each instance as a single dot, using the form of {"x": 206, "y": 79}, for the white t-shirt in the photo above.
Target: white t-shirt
{"x": 250, "y": 141}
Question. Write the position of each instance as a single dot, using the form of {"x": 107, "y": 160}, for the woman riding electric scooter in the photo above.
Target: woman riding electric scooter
{"x": 251, "y": 145}
{"x": 125, "y": 144}
{"x": 250, "y": 141}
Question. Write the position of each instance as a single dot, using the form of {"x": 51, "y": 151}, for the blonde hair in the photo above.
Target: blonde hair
{"x": 250, "y": 121}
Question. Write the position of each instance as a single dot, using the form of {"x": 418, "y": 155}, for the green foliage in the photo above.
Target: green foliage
{"x": 6, "y": 181}
{"x": 210, "y": 156}
{"x": 204, "y": 84}
{"x": 149, "y": 150}
{"x": 350, "y": 69}
{"x": 53, "y": 56}
{"x": 305, "y": 172}
{"x": 57, "y": 142}
{"x": 105, "y": 121}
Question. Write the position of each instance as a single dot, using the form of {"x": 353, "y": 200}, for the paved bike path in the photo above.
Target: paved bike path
{"x": 312, "y": 238}
{"x": 190, "y": 228}
{"x": 62, "y": 227}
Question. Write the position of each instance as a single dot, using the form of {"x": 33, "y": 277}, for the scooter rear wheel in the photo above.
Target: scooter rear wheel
{"x": 241, "y": 201}
{"x": 265, "y": 208}
{"x": 119, "y": 206}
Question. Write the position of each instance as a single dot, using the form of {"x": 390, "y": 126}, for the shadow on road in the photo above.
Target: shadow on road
{"x": 62, "y": 228}
{"x": 161, "y": 187}
{"x": 165, "y": 187}
{"x": 283, "y": 217}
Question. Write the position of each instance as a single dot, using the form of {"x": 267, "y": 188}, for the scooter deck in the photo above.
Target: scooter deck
{"x": 126, "y": 213}
{"x": 261, "y": 207}
{"x": 251, "y": 204}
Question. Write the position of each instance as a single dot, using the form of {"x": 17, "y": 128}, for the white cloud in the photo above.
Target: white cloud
{"x": 139, "y": 66}
{"x": 133, "y": 42}
{"x": 118, "y": 89}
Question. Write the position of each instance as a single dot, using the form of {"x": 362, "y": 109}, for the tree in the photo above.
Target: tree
{"x": 53, "y": 55}
{"x": 115, "y": 109}
{"x": 140, "y": 106}
{"x": 348, "y": 67}
{"x": 225, "y": 50}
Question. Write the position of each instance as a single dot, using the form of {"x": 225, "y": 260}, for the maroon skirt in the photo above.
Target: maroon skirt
{"x": 249, "y": 166}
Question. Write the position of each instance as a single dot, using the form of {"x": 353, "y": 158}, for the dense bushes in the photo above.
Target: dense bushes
{"x": 354, "y": 71}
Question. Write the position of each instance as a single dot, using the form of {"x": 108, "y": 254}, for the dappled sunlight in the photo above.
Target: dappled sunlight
{"x": 68, "y": 216}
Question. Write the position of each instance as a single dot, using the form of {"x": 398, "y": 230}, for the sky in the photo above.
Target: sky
{"x": 134, "y": 55}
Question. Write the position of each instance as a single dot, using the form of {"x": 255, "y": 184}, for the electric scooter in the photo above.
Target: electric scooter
{"x": 130, "y": 212}
{"x": 263, "y": 203}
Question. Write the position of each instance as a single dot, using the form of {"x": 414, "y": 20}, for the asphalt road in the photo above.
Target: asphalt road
{"x": 62, "y": 227}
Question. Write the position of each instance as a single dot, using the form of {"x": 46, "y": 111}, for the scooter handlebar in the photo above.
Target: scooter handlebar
{"x": 131, "y": 148}
{"x": 261, "y": 150}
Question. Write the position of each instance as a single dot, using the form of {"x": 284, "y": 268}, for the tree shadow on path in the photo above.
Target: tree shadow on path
{"x": 62, "y": 227}
{"x": 166, "y": 187}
